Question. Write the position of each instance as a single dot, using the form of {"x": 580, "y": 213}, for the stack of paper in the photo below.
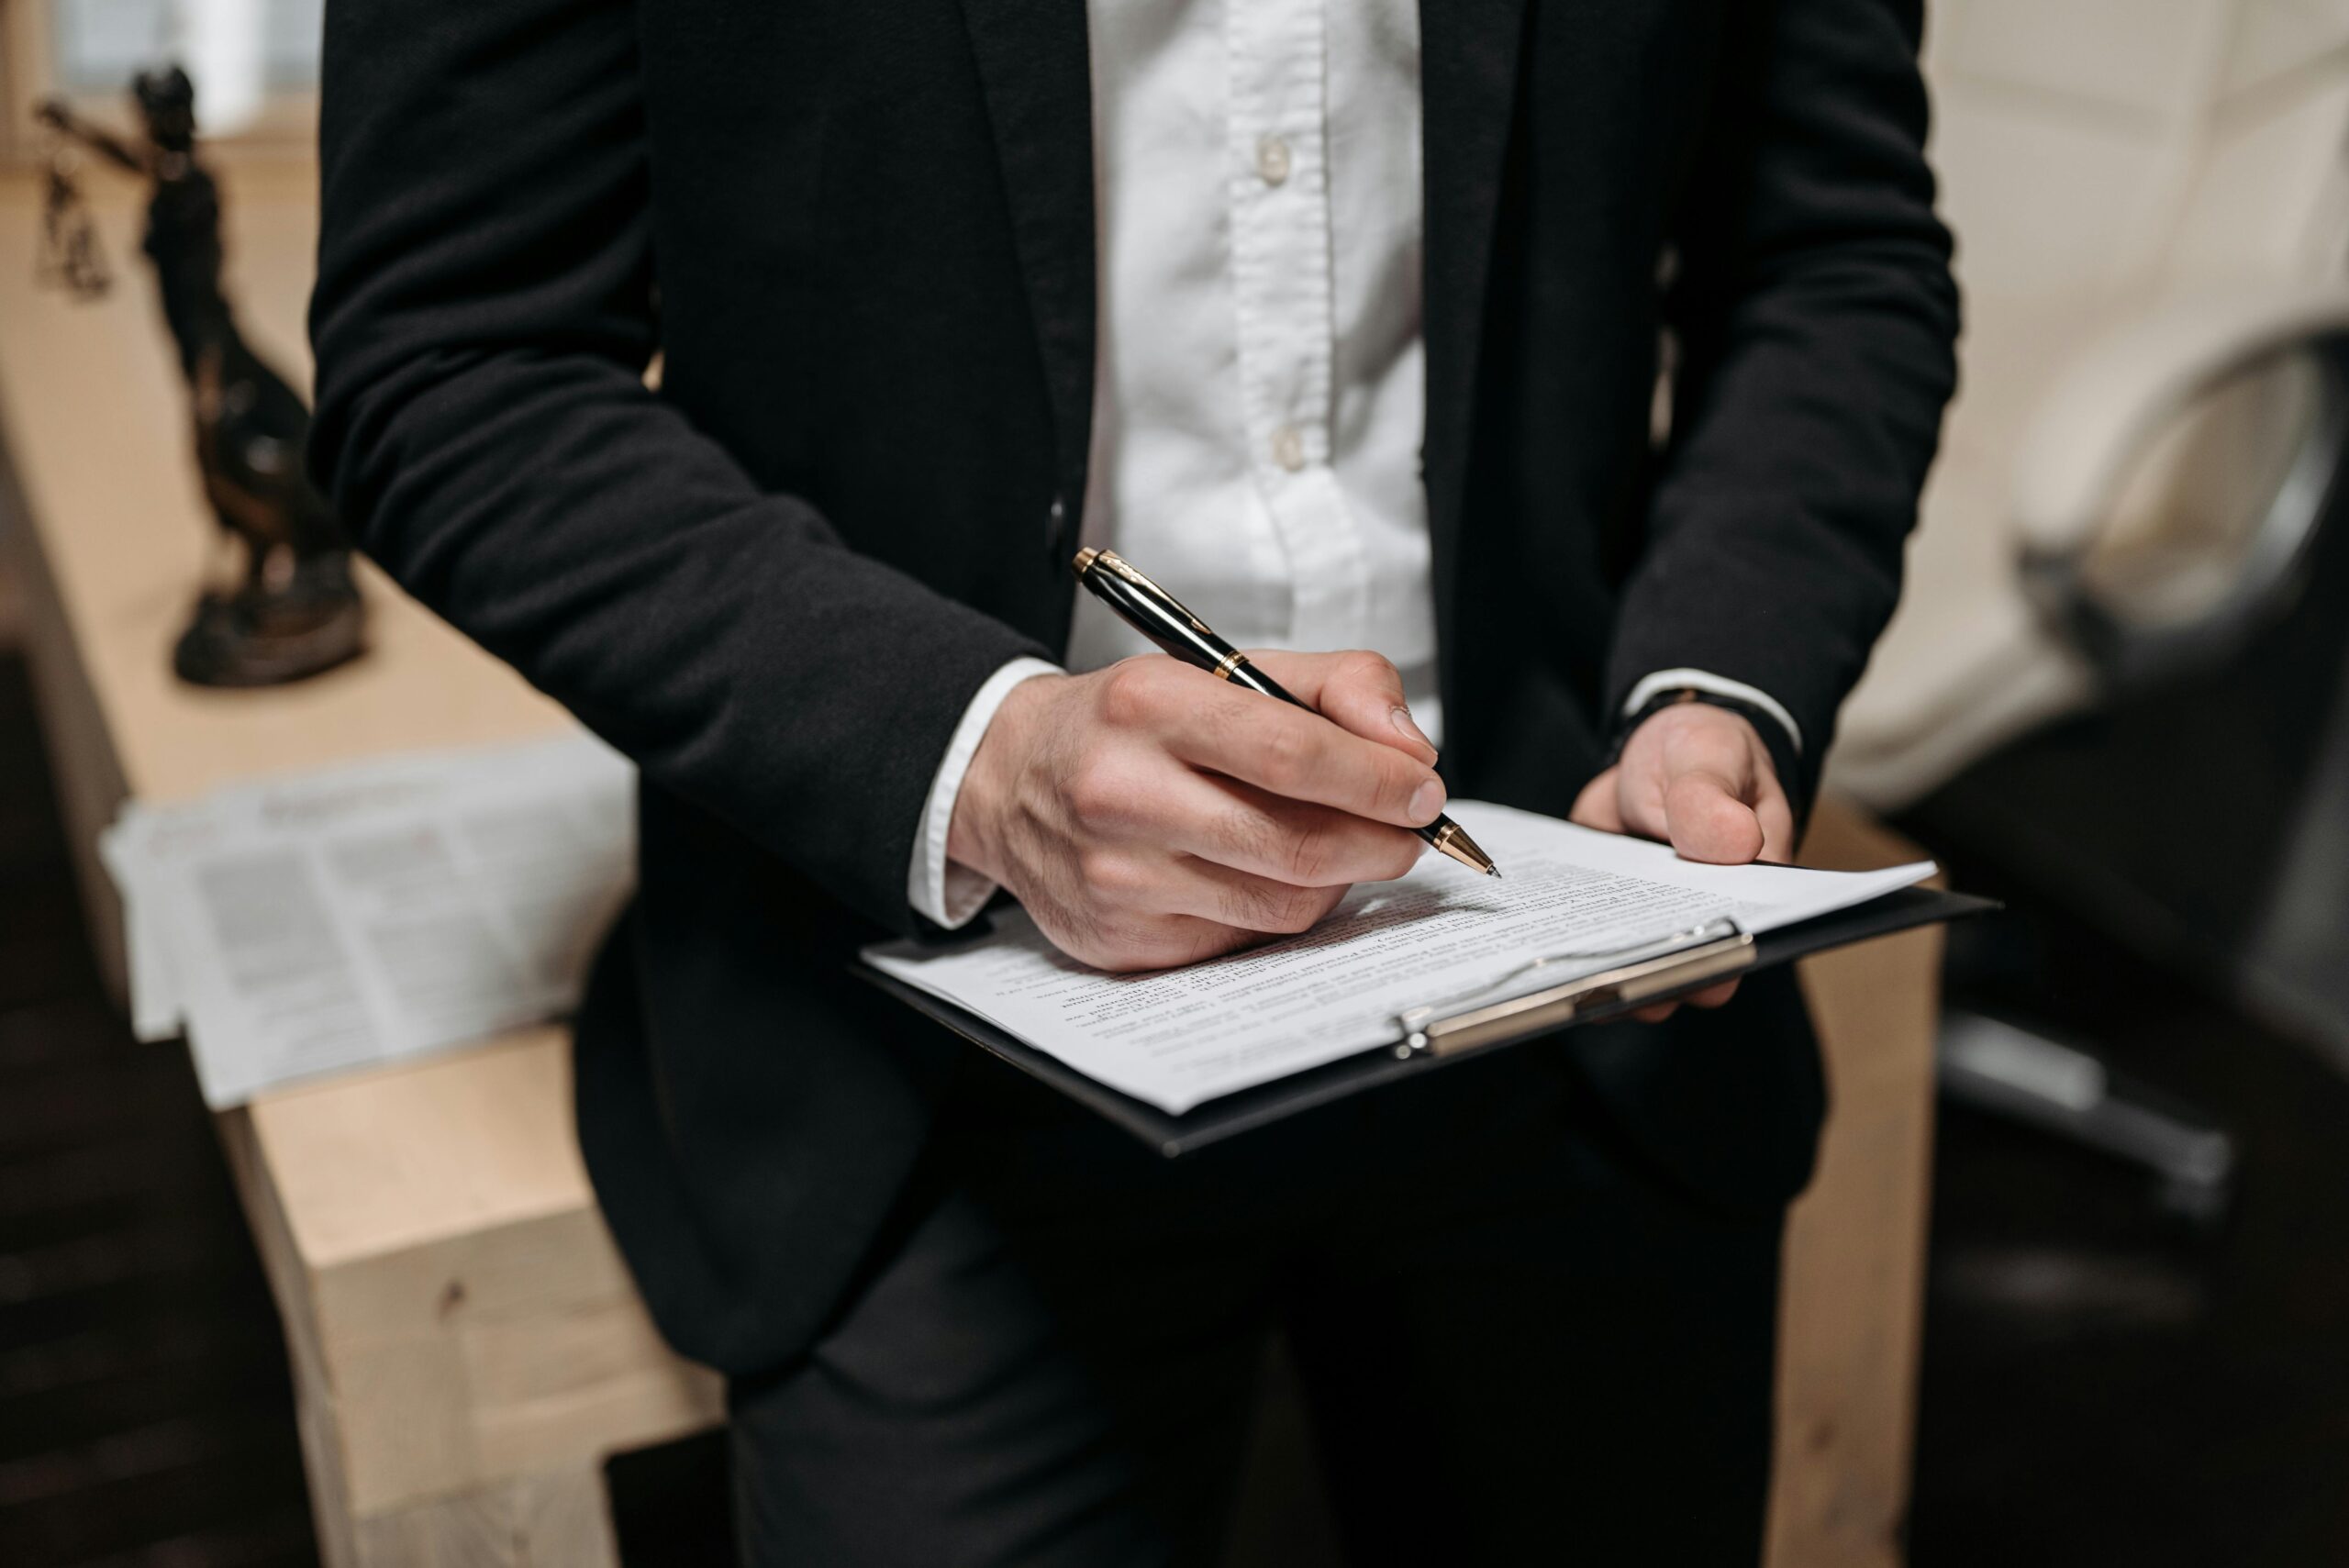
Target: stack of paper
{"x": 1573, "y": 900}
{"x": 305, "y": 925}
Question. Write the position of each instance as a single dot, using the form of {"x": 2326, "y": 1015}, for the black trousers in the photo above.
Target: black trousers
{"x": 1518, "y": 1345}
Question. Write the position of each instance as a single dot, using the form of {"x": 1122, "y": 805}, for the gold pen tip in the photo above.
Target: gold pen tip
{"x": 1084, "y": 558}
{"x": 1453, "y": 840}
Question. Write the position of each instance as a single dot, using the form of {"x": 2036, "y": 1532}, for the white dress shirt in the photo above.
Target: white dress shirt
{"x": 1260, "y": 394}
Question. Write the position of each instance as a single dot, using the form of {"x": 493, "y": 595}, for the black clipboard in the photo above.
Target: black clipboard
{"x": 1448, "y": 1030}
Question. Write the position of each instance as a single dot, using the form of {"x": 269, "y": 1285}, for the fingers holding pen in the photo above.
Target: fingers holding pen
{"x": 1154, "y": 888}
{"x": 1293, "y": 842}
{"x": 1286, "y": 751}
{"x": 1358, "y": 691}
{"x": 1227, "y": 824}
{"x": 1140, "y": 812}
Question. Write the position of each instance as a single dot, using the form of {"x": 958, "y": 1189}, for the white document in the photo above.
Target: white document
{"x": 305, "y": 925}
{"x": 1179, "y": 1037}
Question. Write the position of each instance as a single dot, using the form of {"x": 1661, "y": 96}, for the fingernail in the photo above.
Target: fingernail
{"x": 1402, "y": 718}
{"x": 1426, "y": 801}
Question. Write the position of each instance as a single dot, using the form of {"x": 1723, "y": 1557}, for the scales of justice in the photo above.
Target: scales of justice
{"x": 288, "y": 606}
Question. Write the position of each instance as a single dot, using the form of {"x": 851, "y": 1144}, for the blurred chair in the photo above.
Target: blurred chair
{"x": 2151, "y": 207}
{"x": 2120, "y": 669}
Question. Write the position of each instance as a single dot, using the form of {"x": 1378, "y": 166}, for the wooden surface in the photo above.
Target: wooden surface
{"x": 95, "y": 419}
{"x": 1852, "y": 1304}
{"x": 466, "y": 1340}
{"x": 465, "y": 1313}
{"x": 457, "y": 1313}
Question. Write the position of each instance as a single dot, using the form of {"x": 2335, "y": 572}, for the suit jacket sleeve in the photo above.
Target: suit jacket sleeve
{"x": 483, "y": 318}
{"x": 1815, "y": 317}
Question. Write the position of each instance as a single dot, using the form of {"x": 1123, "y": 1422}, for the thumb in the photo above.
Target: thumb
{"x": 1357, "y": 690}
{"x": 1706, "y": 820}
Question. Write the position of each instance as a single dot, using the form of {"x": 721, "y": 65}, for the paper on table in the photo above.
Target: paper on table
{"x": 303, "y": 925}
{"x": 1178, "y": 1037}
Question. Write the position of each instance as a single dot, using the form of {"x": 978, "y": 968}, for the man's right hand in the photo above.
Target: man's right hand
{"x": 1149, "y": 815}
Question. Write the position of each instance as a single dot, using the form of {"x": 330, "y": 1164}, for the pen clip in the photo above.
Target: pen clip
{"x": 1117, "y": 565}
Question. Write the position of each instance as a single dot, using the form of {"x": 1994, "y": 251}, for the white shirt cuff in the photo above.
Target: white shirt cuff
{"x": 1720, "y": 687}
{"x": 941, "y": 891}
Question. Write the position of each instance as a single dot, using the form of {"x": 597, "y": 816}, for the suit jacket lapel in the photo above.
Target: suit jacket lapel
{"x": 1468, "y": 71}
{"x": 1033, "y": 63}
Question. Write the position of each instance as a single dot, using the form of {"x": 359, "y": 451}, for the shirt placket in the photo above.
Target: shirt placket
{"x": 1279, "y": 185}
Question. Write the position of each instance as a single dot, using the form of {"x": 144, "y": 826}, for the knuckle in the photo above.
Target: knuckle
{"x": 1096, "y": 798}
{"x": 1255, "y": 905}
{"x": 1098, "y": 870}
{"x": 1297, "y": 910}
{"x": 1363, "y": 667}
{"x": 1253, "y": 839}
{"x": 1398, "y": 780}
{"x": 1113, "y": 876}
{"x": 1307, "y": 855}
{"x": 1269, "y": 906}
{"x": 1287, "y": 757}
{"x": 1127, "y": 692}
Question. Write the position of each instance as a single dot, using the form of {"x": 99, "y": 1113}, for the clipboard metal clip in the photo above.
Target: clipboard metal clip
{"x": 1677, "y": 961}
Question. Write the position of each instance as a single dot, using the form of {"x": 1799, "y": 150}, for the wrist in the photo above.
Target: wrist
{"x": 970, "y": 838}
{"x": 974, "y": 837}
{"x": 1684, "y": 707}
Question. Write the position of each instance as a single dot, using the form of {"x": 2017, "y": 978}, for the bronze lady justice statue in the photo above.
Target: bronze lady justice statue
{"x": 293, "y": 610}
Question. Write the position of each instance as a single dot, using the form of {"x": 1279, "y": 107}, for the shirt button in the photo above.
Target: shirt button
{"x": 1272, "y": 159}
{"x": 1288, "y": 448}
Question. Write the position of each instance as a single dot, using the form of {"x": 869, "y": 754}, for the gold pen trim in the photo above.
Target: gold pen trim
{"x": 1231, "y": 661}
{"x": 1453, "y": 840}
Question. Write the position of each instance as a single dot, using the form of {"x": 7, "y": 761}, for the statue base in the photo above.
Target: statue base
{"x": 264, "y": 636}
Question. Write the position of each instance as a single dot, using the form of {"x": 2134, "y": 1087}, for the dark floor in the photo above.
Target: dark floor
{"x": 2106, "y": 1383}
{"x": 145, "y": 1415}
{"x": 2102, "y": 1383}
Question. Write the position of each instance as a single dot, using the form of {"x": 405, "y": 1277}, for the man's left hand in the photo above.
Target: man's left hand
{"x": 1698, "y": 778}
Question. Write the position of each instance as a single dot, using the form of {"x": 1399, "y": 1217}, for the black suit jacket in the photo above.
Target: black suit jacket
{"x": 860, "y": 235}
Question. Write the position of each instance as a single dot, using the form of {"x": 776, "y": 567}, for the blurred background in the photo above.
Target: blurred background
{"x": 2116, "y": 697}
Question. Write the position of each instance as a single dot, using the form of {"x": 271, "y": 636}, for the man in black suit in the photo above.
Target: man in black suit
{"x": 1344, "y": 316}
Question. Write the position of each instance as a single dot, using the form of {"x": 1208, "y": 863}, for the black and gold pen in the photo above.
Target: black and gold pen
{"x": 1160, "y": 616}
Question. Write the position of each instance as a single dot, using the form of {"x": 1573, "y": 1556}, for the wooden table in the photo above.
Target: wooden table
{"x": 466, "y": 1344}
